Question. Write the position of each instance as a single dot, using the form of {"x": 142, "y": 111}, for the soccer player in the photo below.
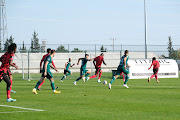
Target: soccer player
{"x": 83, "y": 70}
{"x": 66, "y": 69}
{"x": 122, "y": 68}
{"x": 42, "y": 60}
{"x": 97, "y": 63}
{"x": 7, "y": 61}
{"x": 156, "y": 66}
{"x": 46, "y": 73}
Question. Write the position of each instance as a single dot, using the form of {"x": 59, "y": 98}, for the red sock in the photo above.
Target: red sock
{"x": 8, "y": 94}
{"x": 100, "y": 75}
{"x": 41, "y": 84}
{"x": 151, "y": 76}
{"x": 92, "y": 77}
{"x": 11, "y": 85}
{"x": 156, "y": 77}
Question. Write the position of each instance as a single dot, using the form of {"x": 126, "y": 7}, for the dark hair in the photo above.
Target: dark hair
{"x": 48, "y": 50}
{"x": 53, "y": 51}
{"x": 102, "y": 54}
{"x": 154, "y": 58}
{"x": 12, "y": 47}
{"x": 69, "y": 59}
{"x": 126, "y": 51}
{"x": 86, "y": 55}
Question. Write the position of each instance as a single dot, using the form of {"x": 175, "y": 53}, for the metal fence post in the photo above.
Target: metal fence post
{"x": 22, "y": 65}
{"x": 28, "y": 66}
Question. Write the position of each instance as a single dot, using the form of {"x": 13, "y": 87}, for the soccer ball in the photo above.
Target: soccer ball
{"x": 105, "y": 82}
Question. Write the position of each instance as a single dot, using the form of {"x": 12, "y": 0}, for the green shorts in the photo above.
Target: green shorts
{"x": 48, "y": 76}
{"x": 83, "y": 71}
{"x": 121, "y": 69}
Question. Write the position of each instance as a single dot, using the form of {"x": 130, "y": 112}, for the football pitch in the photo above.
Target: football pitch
{"x": 92, "y": 100}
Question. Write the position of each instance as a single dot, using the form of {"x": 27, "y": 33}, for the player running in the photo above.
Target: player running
{"x": 83, "y": 70}
{"x": 156, "y": 66}
{"x": 7, "y": 61}
{"x": 66, "y": 70}
{"x": 97, "y": 63}
{"x": 42, "y": 60}
{"x": 46, "y": 73}
{"x": 122, "y": 68}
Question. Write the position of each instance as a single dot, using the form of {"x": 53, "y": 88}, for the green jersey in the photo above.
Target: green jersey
{"x": 122, "y": 60}
{"x": 68, "y": 65}
{"x": 49, "y": 59}
{"x": 84, "y": 63}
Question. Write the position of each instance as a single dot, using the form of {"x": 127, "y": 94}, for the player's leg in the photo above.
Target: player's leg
{"x": 122, "y": 74}
{"x": 154, "y": 72}
{"x": 87, "y": 74}
{"x": 50, "y": 77}
{"x": 94, "y": 76}
{"x": 81, "y": 75}
{"x": 7, "y": 80}
{"x": 126, "y": 72}
{"x": 39, "y": 87}
{"x": 99, "y": 78}
{"x": 64, "y": 76}
{"x": 38, "y": 83}
{"x": 156, "y": 76}
{"x": 10, "y": 78}
{"x": 69, "y": 73}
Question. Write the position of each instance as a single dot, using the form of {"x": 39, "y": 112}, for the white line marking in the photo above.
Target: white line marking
{"x": 14, "y": 112}
{"x": 21, "y": 108}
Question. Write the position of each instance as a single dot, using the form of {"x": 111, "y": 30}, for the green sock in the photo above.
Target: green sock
{"x": 113, "y": 79}
{"x": 68, "y": 74}
{"x": 62, "y": 77}
{"x": 52, "y": 85}
{"x": 127, "y": 78}
{"x": 38, "y": 83}
{"x": 87, "y": 74}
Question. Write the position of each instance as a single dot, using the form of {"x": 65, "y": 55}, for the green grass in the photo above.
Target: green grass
{"x": 94, "y": 101}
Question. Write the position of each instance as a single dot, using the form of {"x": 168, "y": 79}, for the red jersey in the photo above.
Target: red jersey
{"x": 42, "y": 60}
{"x": 99, "y": 60}
{"x": 5, "y": 59}
{"x": 155, "y": 64}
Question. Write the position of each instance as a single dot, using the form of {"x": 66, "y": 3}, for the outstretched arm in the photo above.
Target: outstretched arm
{"x": 150, "y": 67}
{"x": 72, "y": 65}
{"x": 104, "y": 62}
{"x": 12, "y": 64}
{"x": 54, "y": 68}
{"x": 79, "y": 61}
{"x": 53, "y": 64}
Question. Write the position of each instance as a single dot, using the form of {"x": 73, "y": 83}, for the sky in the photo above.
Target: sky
{"x": 94, "y": 21}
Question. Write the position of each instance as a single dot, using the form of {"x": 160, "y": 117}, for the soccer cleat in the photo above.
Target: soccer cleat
{"x": 74, "y": 82}
{"x": 87, "y": 78}
{"x": 125, "y": 85}
{"x": 99, "y": 81}
{"x": 57, "y": 92}
{"x": 109, "y": 85}
{"x": 12, "y": 91}
{"x": 39, "y": 89}
{"x": 11, "y": 100}
{"x": 61, "y": 80}
{"x": 83, "y": 79}
{"x": 34, "y": 91}
{"x": 148, "y": 79}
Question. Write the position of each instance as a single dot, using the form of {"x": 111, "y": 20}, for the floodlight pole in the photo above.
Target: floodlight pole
{"x": 145, "y": 20}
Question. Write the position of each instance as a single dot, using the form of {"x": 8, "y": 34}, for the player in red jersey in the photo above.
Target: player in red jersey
{"x": 7, "y": 61}
{"x": 97, "y": 63}
{"x": 156, "y": 66}
{"x": 42, "y": 60}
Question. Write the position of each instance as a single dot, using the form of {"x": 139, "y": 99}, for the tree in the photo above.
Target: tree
{"x": 23, "y": 49}
{"x": 76, "y": 50}
{"x": 8, "y": 42}
{"x": 35, "y": 46}
{"x": 61, "y": 48}
{"x": 103, "y": 49}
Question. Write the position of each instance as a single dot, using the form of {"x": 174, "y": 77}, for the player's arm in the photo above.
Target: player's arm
{"x": 12, "y": 64}
{"x": 41, "y": 63}
{"x": 54, "y": 68}
{"x": 72, "y": 65}
{"x": 150, "y": 66}
{"x": 125, "y": 62}
{"x": 45, "y": 68}
{"x": 104, "y": 62}
{"x": 53, "y": 64}
{"x": 65, "y": 65}
{"x": 94, "y": 62}
{"x": 79, "y": 61}
{"x": 90, "y": 59}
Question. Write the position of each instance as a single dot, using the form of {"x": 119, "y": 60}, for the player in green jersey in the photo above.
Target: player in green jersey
{"x": 122, "y": 68}
{"x": 46, "y": 73}
{"x": 66, "y": 69}
{"x": 83, "y": 70}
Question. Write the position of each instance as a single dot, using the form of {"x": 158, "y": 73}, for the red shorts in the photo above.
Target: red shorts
{"x": 98, "y": 69}
{"x": 4, "y": 71}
